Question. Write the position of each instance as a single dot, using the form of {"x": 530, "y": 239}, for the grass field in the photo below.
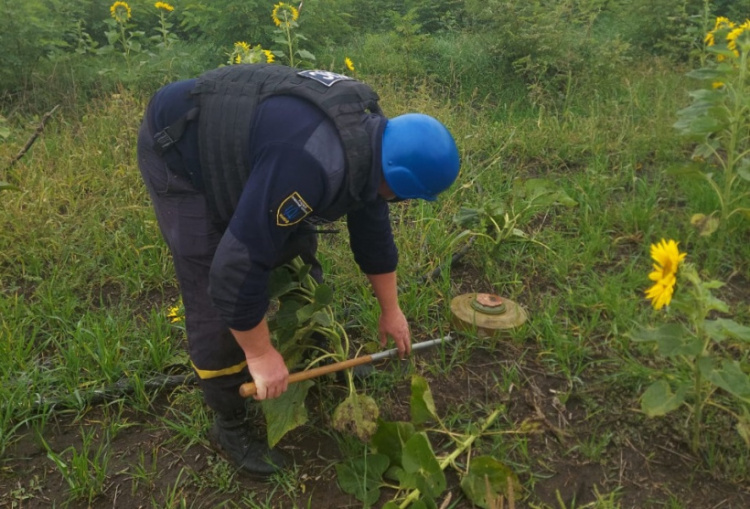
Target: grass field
{"x": 87, "y": 419}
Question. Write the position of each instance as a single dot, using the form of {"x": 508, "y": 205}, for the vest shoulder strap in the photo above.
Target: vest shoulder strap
{"x": 167, "y": 137}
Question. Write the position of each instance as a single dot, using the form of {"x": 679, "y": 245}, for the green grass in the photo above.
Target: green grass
{"x": 86, "y": 279}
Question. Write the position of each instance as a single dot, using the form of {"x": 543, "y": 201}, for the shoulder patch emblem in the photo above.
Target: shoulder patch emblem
{"x": 327, "y": 78}
{"x": 292, "y": 210}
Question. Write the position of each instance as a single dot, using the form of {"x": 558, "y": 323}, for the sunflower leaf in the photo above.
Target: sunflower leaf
{"x": 727, "y": 375}
{"x": 671, "y": 339}
{"x": 362, "y": 477}
{"x": 722, "y": 328}
{"x": 422, "y": 403}
{"x": 659, "y": 400}
{"x": 286, "y": 412}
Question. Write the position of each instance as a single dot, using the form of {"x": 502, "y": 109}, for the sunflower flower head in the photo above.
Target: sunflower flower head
{"x": 729, "y": 35}
{"x": 239, "y": 53}
{"x": 243, "y": 53}
{"x": 723, "y": 22}
{"x": 667, "y": 259}
{"x": 120, "y": 11}
{"x": 284, "y": 14}
{"x": 164, "y": 6}
{"x": 735, "y": 34}
{"x": 732, "y": 38}
{"x": 349, "y": 64}
{"x": 241, "y": 46}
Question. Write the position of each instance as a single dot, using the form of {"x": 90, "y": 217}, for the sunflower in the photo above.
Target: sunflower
{"x": 349, "y": 63}
{"x": 241, "y": 46}
{"x": 284, "y": 10}
{"x": 240, "y": 51}
{"x": 164, "y": 6}
{"x": 243, "y": 53}
{"x": 722, "y": 22}
{"x": 667, "y": 258}
{"x": 732, "y": 39}
{"x": 661, "y": 293}
{"x": 120, "y": 11}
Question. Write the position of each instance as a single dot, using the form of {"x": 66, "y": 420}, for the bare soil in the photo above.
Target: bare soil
{"x": 648, "y": 463}
{"x": 568, "y": 444}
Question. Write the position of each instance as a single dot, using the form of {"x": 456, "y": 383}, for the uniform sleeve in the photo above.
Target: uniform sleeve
{"x": 285, "y": 186}
{"x": 371, "y": 238}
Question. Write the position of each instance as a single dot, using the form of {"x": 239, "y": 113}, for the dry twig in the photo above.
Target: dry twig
{"x": 33, "y": 137}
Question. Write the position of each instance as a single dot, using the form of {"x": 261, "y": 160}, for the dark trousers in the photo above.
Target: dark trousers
{"x": 186, "y": 224}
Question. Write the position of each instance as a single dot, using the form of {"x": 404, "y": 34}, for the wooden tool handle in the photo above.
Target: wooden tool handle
{"x": 249, "y": 389}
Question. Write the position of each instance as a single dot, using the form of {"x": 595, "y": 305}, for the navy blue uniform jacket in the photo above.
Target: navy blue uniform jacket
{"x": 298, "y": 168}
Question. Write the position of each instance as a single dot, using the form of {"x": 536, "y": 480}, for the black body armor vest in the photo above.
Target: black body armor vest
{"x": 227, "y": 98}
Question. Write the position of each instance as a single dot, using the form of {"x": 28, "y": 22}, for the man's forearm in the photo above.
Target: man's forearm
{"x": 254, "y": 342}
{"x": 386, "y": 290}
{"x": 264, "y": 362}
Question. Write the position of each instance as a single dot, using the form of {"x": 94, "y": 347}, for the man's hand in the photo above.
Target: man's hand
{"x": 269, "y": 373}
{"x": 393, "y": 323}
{"x": 265, "y": 363}
{"x": 392, "y": 320}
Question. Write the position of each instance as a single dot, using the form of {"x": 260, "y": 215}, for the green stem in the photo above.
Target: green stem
{"x": 414, "y": 495}
{"x": 706, "y": 27}
{"x": 698, "y": 411}
{"x": 125, "y": 48}
{"x": 718, "y": 192}
{"x": 724, "y": 409}
{"x": 697, "y": 320}
{"x": 742, "y": 155}
{"x": 740, "y": 210}
{"x": 163, "y": 28}
{"x": 735, "y": 127}
{"x": 288, "y": 30}
{"x": 350, "y": 381}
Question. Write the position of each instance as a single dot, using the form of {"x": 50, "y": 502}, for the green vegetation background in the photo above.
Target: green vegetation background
{"x": 581, "y": 92}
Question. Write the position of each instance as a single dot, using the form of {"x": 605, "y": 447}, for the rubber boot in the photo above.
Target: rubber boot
{"x": 232, "y": 436}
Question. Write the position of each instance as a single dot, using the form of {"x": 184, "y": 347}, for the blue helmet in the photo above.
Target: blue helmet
{"x": 419, "y": 155}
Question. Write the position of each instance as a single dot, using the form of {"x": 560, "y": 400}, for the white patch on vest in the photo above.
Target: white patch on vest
{"x": 292, "y": 210}
{"x": 325, "y": 77}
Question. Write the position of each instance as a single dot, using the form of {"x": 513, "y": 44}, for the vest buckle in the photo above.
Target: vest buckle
{"x": 163, "y": 140}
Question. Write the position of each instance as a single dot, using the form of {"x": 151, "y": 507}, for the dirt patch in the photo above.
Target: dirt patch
{"x": 559, "y": 439}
